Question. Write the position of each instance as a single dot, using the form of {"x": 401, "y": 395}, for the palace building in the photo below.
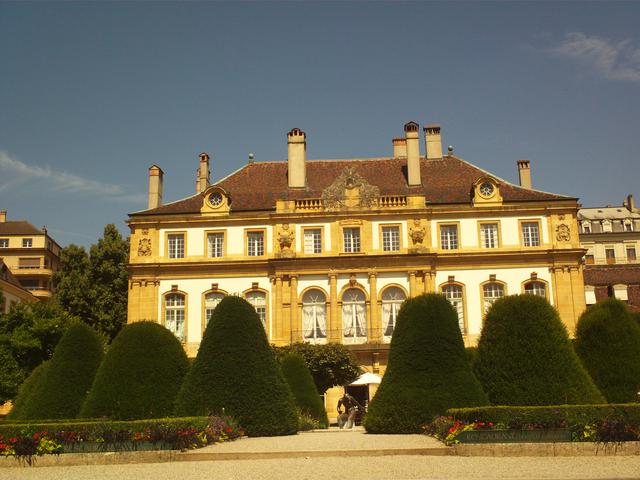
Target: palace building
{"x": 327, "y": 250}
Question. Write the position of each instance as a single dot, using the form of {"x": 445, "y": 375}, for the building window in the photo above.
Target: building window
{"x": 454, "y": 294}
{"x": 449, "y": 237}
{"x": 30, "y": 283}
{"x": 391, "y": 239}
{"x": 536, "y": 288}
{"x": 351, "y": 240}
{"x": 27, "y": 242}
{"x": 489, "y": 235}
{"x": 28, "y": 263}
{"x": 215, "y": 244}
{"x": 211, "y": 301}
{"x": 531, "y": 234}
{"x": 610, "y": 254}
{"x": 490, "y": 293}
{"x": 392, "y": 299}
{"x": 606, "y": 226}
{"x": 589, "y": 259}
{"x": 258, "y": 301}
{"x": 255, "y": 244}
{"x": 620, "y": 292}
{"x": 314, "y": 316}
{"x": 4, "y": 243}
{"x": 586, "y": 227}
{"x": 313, "y": 240}
{"x": 631, "y": 254}
{"x": 176, "y": 245}
{"x": 354, "y": 316}
{"x": 174, "y": 308}
{"x": 628, "y": 226}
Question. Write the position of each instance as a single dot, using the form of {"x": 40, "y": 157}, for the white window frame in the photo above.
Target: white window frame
{"x": 312, "y": 241}
{"x": 390, "y": 238}
{"x": 174, "y": 314}
{"x": 354, "y": 316}
{"x": 455, "y": 294}
{"x": 392, "y": 299}
{"x": 536, "y": 287}
{"x": 531, "y": 234}
{"x": 489, "y": 235}
{"x": 351, "y": 239}
{"x": 258, "y": 301}
{"x": 215, "y": 244}
{"x": 491, "y": 291}
{"x": 27, "y": 243}
{"x": 175, "y": 245}
{"x": 449, "y": 237}
{"x": 255, "y": 243}
{"x": 314, "y": 316}
{"x": 4, "y": 243}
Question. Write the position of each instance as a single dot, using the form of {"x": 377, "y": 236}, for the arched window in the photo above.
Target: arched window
{"x": 536, "y": 288}
{"x": 491, "y": 292}
{"x": 392, "y": 298}
{"x": 174, "y": 306}
{"x": 314, "y": 316}
{"x": 354, "y": 316}
{"x": 455, "y": 295}
{"x": 259, "y": 302}
{"x": 211, "y": 301}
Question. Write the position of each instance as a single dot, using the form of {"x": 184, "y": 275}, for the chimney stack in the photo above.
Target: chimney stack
{"x": 297, "y": 158}
{"x": 3, "y": 216}
{"x": 432, "y": 141}
{"x": 524, "y": 169}
{"x": 203, "y": 172}
{"x": 399, "y": 148}
{"x": 413, "y": 153}
{"x": 630, "y": 203}
{"x": 155, "y": 186}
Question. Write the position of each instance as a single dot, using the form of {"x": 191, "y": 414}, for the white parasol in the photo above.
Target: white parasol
{"x": 367, "y": 379}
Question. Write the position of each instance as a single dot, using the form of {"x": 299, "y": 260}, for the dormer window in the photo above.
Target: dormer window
{"x": 627, "y": 225}
{"x": 606, "y": 226}
{"x": 586, "y": 227}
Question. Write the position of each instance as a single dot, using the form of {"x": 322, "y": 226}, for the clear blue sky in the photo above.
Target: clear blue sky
{"x": 92, "y": 94}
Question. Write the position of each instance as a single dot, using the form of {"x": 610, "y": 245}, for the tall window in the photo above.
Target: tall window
{"x": 211, "y": 301}
{"x": 174, "y": 314}
{"x": 314, "y": 316}
{"x": 255, "y": 244}
{"x": 530, "y": 234}
{"x": 215, "y": 244}
{"x": 4, "y": 243}
{"x": 611, "y": 255}
{"x": 489, "y": 235}
{"x": 606, "y": 226}
{"x": 454, "y": 294}
{"x": 392, "y": 299}
{"x": 449, "y": 237}
{"x": 27, "y": 242}
{"x": 259, "y": 302}
{"x": 390, "y": 239}
{"x": 176, "y": 245}
{"x": 536, "y": 288}
{"x": 628, "y": 226}
{"x": 354, "y": 316}
{"x": 313, "y": 241}
{"x": 631, "y": 254}
{"x": 490, "y": 293}
{"x": 351, "y": 240}
{"x": 586, "y": 227}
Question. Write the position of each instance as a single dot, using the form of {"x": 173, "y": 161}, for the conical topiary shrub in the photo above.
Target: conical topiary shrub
{"x": 304, "y": 390}
{"x": 66, "y": 381}
{"x": 25, "y": 390}
{"x": 525, "y": 356}
{"x": 140, "y": 376}
{"x": 428, "y": 369}
{"x": 235, "y": 371}
{"x": 608, "y": 343}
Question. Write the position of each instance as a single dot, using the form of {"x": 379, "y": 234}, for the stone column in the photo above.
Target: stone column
{"x": 277, "y": 329}
{"x": 333, "y": 325}
{"x": 429, "y": 279}
{"x": 295, "y": 325}
{"x": 375, "y": 327}
{"x": 412, "y": 284}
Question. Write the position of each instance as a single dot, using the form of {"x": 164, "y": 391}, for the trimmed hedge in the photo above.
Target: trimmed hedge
{"x": 428, "y": 369}
{"x": 608, "y": 343}
{"x": 66, "y": 381}
{"x": 525, "y": 356}
{"x": 25, "y": 390}
{"x": 304, "y": 391}
{"x": 235, "y": 371}
{"x": 140, "y": 376}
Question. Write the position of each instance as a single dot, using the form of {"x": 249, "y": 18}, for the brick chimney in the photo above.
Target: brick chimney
{"x": 3, "y": 216}
{"x": 399, "y": 148}
{"x": 203, "y": 172}
{"x": 155, "y": 186}
{"x": 432, "y": 141}
{"x": 524, "y": 170}
{"x": 413, "y": 153}
{"x": 297, "y": 158}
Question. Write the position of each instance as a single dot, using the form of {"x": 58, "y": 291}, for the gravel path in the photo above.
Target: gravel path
{"x": 352, "y": 468}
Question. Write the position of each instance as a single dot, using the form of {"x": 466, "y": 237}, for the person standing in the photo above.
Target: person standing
{"x": 347, "y": 418}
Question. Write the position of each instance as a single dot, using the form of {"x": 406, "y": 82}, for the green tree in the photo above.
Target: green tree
{"x": 73, "y": 282}
{"x": 236, "y": 371}
{"x": 428, "y": 369}
{"x": 140, "y": 375}
{"x": 24, "y": 392}
{"x": 525, "y": 356}
{"x": 608, "y": 343}
{"x": 11, "y": 375}
{"x": 304, "y": 390}
{"x": 331, "y": 364}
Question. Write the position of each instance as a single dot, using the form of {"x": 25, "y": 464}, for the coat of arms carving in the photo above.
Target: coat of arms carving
{"x": 350, "y": 190}
{"x": 563, "y": 233}
{"x": 144, "y": 247}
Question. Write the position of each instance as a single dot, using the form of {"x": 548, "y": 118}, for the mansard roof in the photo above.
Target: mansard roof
{"x": 258, "y": 185}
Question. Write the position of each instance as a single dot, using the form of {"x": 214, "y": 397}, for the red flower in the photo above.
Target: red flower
{"x": 491, "y": 424}
{"x": 13, "y": 440}
{"x": 228, "y": 430}
{"x": 36, "y": 436}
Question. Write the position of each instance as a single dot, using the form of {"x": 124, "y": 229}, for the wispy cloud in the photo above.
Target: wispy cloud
{"x": 606, "y": 58}
{"x": 16, "y": 172}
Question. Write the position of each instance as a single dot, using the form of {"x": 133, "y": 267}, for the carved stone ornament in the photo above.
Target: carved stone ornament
{"x": 144, "y": 247}
{"x": 563, "y": 233}
{"x": 285, "y": 239}
{"x": 350, "y": 189}
{"x": 417, "y": 232}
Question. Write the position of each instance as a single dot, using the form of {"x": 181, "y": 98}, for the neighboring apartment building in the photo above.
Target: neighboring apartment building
{"x": 31, "y": 255}
{"x": 11, "y": 290}
{"x": 327, "y": 250}
{"x": 611, "y": 236}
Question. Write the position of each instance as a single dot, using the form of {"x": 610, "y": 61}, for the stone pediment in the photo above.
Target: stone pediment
{"x": 350, "y": 190}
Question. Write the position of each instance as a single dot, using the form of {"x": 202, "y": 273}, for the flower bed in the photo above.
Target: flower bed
{"x": 578, "y": 423}
{"x": 24, "y": 440}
